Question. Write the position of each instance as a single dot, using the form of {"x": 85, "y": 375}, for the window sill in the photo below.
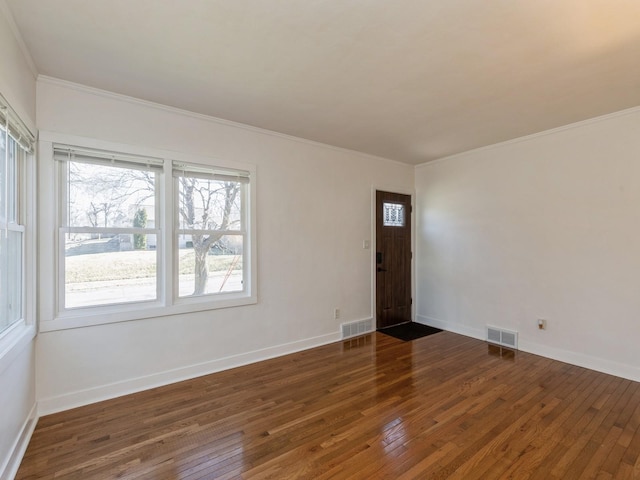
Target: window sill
{"x": 13, "y": 342}
{"x": 88, "y": 317}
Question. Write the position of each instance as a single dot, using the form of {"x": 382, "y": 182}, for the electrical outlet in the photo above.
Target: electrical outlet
{"x": 542, "y": 324}
{"x": 336, "y": 313}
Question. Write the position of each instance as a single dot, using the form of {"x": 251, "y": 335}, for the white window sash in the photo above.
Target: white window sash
{"x": 61, "y": 297}
{"x": 141, "y": 165}
{"x": 205, "y": 172}
{"x": 114, "y": 230}
{"x": 63, "y": 154}
{"x": 12, "y": 216}
{"x": 192, "y": 231}
{"x": 12, "y": 227}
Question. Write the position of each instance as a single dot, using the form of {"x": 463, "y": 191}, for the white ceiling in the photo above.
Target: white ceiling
{"x": 410, "y": 80}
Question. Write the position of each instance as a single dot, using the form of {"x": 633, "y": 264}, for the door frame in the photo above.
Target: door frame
{"x": 372, "y": 257}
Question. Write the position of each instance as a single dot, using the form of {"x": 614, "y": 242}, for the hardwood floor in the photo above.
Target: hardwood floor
{"x": 444, "y": 406}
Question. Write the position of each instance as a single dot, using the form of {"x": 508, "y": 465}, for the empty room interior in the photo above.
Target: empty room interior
{"x": 216, "y": 216}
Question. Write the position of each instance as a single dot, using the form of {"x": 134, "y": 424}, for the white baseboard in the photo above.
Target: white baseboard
{"x": 79, "y": 398}
{"x": 12, "y": 463}
{"x": 451, "y": 327}
{"x": 579, "y": 359}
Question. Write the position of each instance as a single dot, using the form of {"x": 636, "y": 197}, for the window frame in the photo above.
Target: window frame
{"x": 17, "y": 335}
{"x": 204, "y": 172}
{"x": 12, "y": 218}
{"x": 65, "y": 228}
{"x": 168, "y": 303}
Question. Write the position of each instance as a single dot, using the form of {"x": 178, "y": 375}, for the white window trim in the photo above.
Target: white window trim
{"x": 51, "y": 318}
{"x": 13, "y": 341}
{"x": 21, "y": 333}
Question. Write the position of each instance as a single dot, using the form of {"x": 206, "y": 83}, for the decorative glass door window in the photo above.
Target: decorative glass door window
{"x": 393, "y": 214}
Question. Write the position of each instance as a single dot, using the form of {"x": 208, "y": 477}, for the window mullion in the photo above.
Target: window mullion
{"x": 168, "y": 197}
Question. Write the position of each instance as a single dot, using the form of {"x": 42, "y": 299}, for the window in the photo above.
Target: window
{"x": 12, "y": 234}
{"x": 393, "y": 214}
{"x": 108, "y": 230}
{"x": 15, "y": 146}
{"x": 211, "y": 229}
{"x": 150, "y": 236}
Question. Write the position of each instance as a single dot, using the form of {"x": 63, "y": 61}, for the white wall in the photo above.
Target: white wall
{"x": 543, "y": 227}
{"x": 17, "y": 80}
{"x": 314, "y": 211}
{"x": 17, "y": 398}
{"x": 17, "y": 362}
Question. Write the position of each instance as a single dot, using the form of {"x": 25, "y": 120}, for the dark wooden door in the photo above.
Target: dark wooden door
{"x": 393, "y": 259}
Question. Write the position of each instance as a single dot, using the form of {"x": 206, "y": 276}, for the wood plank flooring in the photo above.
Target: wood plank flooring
{"x": 440, "y": 407}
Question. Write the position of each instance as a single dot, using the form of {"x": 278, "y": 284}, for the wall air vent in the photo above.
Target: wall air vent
{"x": 354, "y": 329}
{"x": 500, "y": 336}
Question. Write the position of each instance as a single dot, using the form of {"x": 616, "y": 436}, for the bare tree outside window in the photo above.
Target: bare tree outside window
{"x": 105, "y": 196}
{"x": 102, "y": 222}
{"x": 210, "y": 212}
{"x": 110, "y": 247}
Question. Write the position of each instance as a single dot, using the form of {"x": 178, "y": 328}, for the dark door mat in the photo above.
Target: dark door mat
{"x": 409, "y": 331}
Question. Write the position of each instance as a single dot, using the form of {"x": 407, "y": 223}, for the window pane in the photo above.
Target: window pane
{"x": 393, "y": 215}
{"x": 105, "y": 196}
{"x": 210, "y": 264}
{"x": 106, "y": 269}
{"x": 10, "y": 278}
{"x": 3, "y": 175}
{"x": 209, "y": 204}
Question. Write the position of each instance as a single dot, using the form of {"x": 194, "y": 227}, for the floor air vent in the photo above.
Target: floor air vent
{"x": 354, "y": 329}
{"x": 503, "y": 337}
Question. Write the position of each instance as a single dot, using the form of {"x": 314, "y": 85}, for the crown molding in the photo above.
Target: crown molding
{"x": 13, "y": 26}
{"x": 533, "y": 136}
{"x": 207, "y": 118}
